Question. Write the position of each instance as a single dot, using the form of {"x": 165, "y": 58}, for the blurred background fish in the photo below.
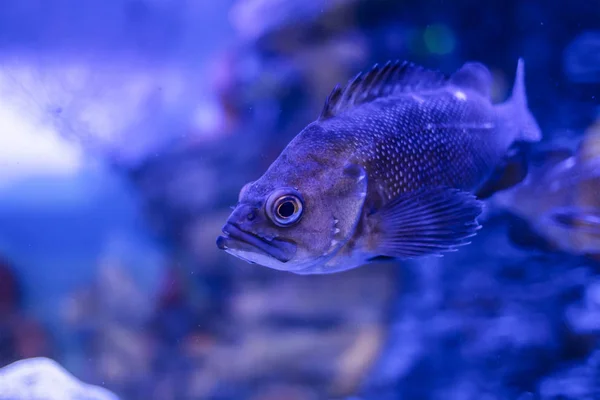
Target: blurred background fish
{"x": 560, "y": 198}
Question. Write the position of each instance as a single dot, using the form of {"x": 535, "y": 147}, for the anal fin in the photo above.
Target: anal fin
{"x": 425, "y": 222}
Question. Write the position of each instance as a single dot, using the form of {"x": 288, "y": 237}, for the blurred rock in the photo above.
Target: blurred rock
{"x": 576, "y": 382}
{"x": 20, "y": 335}
{"x": 487, "y": 324}
{"x": 583, "y": 317}
{"x": 44, "y": 379}
{"x": 254, "y": 19}
{"x": 293, "y": 330}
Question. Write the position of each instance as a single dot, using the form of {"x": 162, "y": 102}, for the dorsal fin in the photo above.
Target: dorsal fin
{"x": 381, "y": 81}
{"x": 474, "y": 76}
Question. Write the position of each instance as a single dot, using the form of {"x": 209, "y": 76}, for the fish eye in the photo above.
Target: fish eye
{"x": 285, "y": 207}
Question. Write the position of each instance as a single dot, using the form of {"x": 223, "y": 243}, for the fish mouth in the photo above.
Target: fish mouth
{"x": 234, "y": 238}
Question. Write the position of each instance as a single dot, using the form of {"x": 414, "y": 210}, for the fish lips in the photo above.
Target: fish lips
{"x": 234, "y": 238}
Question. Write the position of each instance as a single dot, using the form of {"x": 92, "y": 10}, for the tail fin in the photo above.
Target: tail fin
{"x": 517, "y": 112}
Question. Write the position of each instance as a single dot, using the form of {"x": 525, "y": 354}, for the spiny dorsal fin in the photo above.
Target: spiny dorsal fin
{"x": 381, "y": 81}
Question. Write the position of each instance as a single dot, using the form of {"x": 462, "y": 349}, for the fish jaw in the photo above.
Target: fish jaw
{"x": 273, "y": 253}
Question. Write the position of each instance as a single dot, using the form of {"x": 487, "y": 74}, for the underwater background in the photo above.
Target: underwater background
{"x": 128, "y": 127}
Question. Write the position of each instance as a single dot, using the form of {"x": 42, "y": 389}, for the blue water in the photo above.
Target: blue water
{"x": 174, "y": 106}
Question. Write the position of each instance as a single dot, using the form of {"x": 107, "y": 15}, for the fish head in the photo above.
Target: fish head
{"x": 295, "y": 221}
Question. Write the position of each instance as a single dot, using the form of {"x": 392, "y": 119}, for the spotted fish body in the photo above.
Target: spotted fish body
{"x": 388, "y": 170}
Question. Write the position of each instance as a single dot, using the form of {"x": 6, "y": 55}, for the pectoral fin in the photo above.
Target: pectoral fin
{"x": 425, "y": 222}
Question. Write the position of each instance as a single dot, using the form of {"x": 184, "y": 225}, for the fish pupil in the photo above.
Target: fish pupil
{"x": 286, "y": 209}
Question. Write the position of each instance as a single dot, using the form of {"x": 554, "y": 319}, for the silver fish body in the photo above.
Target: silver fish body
{"x": 388, "y": 170}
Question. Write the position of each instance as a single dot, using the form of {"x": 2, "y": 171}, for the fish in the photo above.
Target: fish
{"x": 557, "y": 204}
{"x": 388, "y": 171}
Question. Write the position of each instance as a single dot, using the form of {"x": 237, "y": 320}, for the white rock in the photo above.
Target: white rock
{"x": 45, "y": 379}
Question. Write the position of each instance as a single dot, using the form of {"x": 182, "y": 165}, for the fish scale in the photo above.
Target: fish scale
{"x": 401, "y": 153}
{"x": 388, "y": 170}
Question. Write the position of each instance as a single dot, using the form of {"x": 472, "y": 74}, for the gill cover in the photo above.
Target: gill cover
{"x": 345, "y": 199}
